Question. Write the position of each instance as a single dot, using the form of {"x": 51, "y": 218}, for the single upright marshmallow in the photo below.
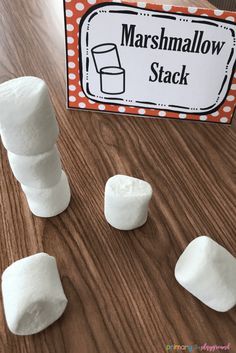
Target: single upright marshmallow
{"x": 48, "y": 202}
{"x": 33, "y": 296}
{"x": 208, "y": 271}
{"x": 27, "y": 121}
{"x": 37, "y": 171}
{"x": 126, "y": 202}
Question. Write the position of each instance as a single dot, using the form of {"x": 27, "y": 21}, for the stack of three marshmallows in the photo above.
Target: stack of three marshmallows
{"x": 29, "y": 131}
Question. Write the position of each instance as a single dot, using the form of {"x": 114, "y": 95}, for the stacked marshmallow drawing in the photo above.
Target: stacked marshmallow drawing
{"x": 29, "y": 131}
{"x": 108, "y": 66}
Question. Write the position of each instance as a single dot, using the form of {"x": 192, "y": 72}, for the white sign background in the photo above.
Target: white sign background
{"x": 209, "y": 77}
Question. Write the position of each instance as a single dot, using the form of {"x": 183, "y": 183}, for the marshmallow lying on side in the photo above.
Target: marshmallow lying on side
{"x": 27, "y": 121}
{"x": 38, "y": 171}
{"x": 33, "y": 296}
{"x": 48, "y": 202}
{"x": 126, "y": 202}
{"x": 208, "y": 271}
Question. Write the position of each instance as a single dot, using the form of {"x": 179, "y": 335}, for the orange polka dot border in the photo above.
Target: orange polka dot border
{"x": 76, "y": 99}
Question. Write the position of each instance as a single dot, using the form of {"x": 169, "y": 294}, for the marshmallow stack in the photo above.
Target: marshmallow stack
{"x": 29, "y": 131}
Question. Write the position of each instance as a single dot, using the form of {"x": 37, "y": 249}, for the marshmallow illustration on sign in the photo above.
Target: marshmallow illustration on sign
{"x": 33, "y": 297}
{"x": 108, "y": 66}
{"x": 126, "y": 202}
{"x": 208, "y": 271}
{"x": 29, "y": 131}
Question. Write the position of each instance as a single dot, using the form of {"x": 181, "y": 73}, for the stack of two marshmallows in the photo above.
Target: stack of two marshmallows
{"x": 29, "y": 131}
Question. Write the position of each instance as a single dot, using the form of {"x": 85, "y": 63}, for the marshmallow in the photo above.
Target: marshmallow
{"x": 27, "y": 121}
{"x": 126, "y": 202}
{"x": 208, "y": 271}
{"x": 33, "y": 296}
{"x": 38, "y": 171}
{"x": 48, "y": 202}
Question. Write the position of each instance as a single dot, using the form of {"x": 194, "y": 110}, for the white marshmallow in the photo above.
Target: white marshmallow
{"x": 208, "y": 271}
{"x": 33, "y": 296}
{"x": 48, "y": 202}
{"x": 27, "y": 121}
{"x": 126, "y": 202}
{"x": 38, "y": 171}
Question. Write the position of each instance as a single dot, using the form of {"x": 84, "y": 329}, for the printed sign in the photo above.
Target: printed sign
{"x": 151, "y": 60}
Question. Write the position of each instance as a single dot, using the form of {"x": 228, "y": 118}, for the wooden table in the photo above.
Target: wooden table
{"x": 123, "y": 297}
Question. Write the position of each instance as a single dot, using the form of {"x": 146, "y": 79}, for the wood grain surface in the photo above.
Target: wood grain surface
{"x": 123, "y": 297}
